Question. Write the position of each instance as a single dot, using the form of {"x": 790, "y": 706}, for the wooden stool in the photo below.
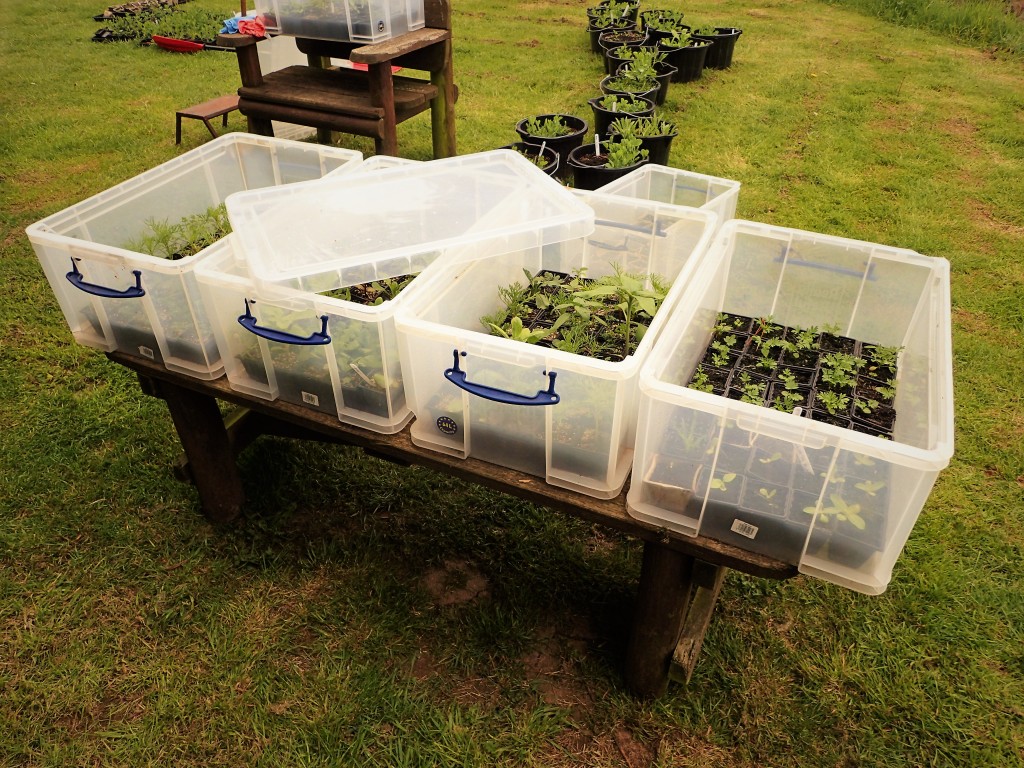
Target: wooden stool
{"x": 206, "y": 111}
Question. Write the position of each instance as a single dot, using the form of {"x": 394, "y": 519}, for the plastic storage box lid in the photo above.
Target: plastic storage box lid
{"x": 497, "y": 197}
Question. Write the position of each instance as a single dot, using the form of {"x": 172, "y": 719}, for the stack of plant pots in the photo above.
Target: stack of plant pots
{"x": 643, "y": 53}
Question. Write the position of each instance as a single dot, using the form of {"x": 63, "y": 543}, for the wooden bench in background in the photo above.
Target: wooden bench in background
{"x": 370, "y": 102}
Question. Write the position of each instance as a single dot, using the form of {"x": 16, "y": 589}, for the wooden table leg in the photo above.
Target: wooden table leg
{"x": 661, "y": 603}
{"x": 211, "y": 459}
{"x": 707, "y": 582}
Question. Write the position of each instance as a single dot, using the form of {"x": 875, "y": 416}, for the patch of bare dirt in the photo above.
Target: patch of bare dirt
{"x": 455, "y": 583}
{"x": 478, "y": 691}
{"x": 636, "y": 753}
{"x": 982, "y": 215}
{"x": 581, "y": 748}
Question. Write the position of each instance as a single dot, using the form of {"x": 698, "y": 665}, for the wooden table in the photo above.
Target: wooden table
{"x": 680, "y": 577}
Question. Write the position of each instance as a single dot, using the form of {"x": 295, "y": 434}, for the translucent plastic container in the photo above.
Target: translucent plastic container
{"x": 679, "y": 187}
{"x": 363, "y": 21}
{"x": 491, "y": 398}
{"x": 838, "y": 503}
{"x": 115, "y": 297}
{"x": 285, "y": 338}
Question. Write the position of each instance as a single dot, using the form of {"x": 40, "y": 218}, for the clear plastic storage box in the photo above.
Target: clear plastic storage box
{"x": 361, "y": 21}
{"x": 277, "y": 299}
{"x": 679, "y": 187}
{"x": 116, "y": 297}
{"x": 838, "y": 503}
{"x": 491, "y": 398}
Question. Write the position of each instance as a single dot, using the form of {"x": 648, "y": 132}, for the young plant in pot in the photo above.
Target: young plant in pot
{"x": 649, "y": 62}
{"x": 631, "y": 83}
{"x": 655, "y": 135}
{"x": 541, "y": 155}
{"x": 560, "y": 133}
{"x": 619, "y": 9}
{"x": 723, "y": 42}
{"x": 659, "y": 24}
{"x": 686, "y": 53}
{"x": 622, "y": 54}
{"x": 597, "y": 165}
{"x": 610, "y": 107}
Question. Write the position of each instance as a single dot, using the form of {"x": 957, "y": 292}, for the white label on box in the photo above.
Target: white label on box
{"x": 147, "y": 353}
{"x": 309, "y": 399}
{"x": 744, "y": 529}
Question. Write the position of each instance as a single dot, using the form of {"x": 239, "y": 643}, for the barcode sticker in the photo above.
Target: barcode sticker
{"x": 147, "y": 353}
{"x": 744, "y": 529}
{"x": 311, "y": 399}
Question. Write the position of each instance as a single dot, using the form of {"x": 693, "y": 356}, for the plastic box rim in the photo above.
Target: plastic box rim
{"x": 42, "y": 228}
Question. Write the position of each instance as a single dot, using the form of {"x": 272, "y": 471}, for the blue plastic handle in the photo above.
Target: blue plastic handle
{"x": 543, "y": 397}
{"x": 249, "y": 322}
{"x": 77, "y": 279}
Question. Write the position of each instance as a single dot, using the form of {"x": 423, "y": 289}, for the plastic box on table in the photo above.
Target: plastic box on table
{"x": 585, "y": 441}
{"x": 838, "y": 503}
{"x": 115, "y": 298}
{"x": 361, "y": 21}
{"x": 282, "y": 337}
{"x": 679, "y": 187}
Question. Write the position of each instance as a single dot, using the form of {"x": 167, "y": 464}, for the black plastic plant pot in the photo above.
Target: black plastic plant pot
{"x": 562, "y": 145}
{"x": 603, "y": 117}
{"x": 722, "y": 45}
{"x": 613, "y": 38}
{"x": 532, "y": 151}
{"x": 689, "y": 61}
{"x": 656, "y": 35}
{"x": 595, "y": 34}
{"x": 589, "y": 170}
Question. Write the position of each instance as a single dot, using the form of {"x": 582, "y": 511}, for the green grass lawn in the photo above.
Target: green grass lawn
{"x": 319, "y": 631}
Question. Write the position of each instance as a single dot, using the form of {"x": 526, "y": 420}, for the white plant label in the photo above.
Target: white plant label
{"x": 744, "y": 529}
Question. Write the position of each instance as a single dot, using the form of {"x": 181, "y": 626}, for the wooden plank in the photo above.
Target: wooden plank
{"x": 265, "y": 112}
{"x": 698, "y": 619}
{"x": 402, "y": 45}
{"x": 337, "y": 91}
{"x": 399, "y": 447}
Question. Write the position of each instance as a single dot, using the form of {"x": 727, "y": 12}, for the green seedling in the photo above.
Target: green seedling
{"x": 841, "y": 511}
{"x": 518, "y": 332}
{"x": 547, "y": 127}
{"x": 722, "y": 483}
{"x": 870, "y": 487}
{"x": 701, "y": 382}
{"x": 835, "y": 403}
{"x": 865, "y": 405}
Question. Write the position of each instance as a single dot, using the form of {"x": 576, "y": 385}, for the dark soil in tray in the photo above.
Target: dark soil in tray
{"x": 815, "y": 373}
